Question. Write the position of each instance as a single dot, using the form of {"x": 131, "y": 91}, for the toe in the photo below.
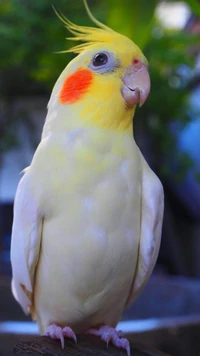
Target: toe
{"x": 108, "y": 335}
{"x": 68, "y": 332}
{"x": 122, "y": 344}
{"x": 120, "y": 333}
{"x": 61, "y": 337}
{"x": 55, "y": 332}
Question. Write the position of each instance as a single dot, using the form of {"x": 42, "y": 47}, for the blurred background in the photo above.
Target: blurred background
{"x": 166, "y": 128}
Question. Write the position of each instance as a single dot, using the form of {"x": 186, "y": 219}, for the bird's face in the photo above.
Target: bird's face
{"x": 104, "y": 83}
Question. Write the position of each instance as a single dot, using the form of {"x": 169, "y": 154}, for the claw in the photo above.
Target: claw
{"x": 56, "y": 332}
{"x": 108, "y": 333}
{"x": 68, "y": 332}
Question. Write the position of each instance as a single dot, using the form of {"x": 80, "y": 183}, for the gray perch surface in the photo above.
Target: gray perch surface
{"x": 87, "y": 345}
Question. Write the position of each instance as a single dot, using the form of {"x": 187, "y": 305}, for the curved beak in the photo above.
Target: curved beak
{"x": 136, "y": 86}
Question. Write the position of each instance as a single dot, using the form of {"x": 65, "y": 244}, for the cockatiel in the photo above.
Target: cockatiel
{"x": 88, "y": 211}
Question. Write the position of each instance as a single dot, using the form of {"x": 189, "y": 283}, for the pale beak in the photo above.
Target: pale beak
{"x": 136, "y": 86}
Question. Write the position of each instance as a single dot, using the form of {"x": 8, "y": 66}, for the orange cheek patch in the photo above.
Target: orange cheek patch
{"x": 75, "y": 86}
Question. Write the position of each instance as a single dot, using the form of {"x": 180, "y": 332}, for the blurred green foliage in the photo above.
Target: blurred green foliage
{"x": 29, "y": 64}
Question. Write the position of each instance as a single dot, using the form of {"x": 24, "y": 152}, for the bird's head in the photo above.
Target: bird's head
{"x": 105, "y": 82}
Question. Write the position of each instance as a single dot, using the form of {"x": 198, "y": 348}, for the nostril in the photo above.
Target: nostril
{"x": 136, "y": 62}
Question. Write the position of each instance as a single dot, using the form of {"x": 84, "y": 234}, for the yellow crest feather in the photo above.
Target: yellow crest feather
{"x": 88, "y": 35}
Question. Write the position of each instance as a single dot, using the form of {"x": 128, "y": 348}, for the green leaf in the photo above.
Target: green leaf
{"x": 132, "y": 18}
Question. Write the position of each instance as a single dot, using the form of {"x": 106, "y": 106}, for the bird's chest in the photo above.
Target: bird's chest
{"x": 94, "y": 231}
{"x": 98, "y": 191}
{"x": 98, "y": 217}
{"x": 100, "y": 185}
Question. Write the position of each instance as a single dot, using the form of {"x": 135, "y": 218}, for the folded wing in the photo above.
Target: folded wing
{"x": 25, "y": 242}
{"x": 152, "y": 206}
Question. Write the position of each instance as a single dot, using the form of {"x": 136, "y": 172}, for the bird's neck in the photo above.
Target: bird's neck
{"x": 67, "y": 118}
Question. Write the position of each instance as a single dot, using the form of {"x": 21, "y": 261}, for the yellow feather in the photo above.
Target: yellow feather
{"x": 112, "y": 114}
{"x": 88, "y": 35}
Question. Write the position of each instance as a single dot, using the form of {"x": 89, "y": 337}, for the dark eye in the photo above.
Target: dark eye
{"x": 100, "y": 59}
{"x": 103, "y": 62}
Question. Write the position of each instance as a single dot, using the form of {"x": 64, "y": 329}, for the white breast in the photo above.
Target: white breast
{"x": 90, "y": 243}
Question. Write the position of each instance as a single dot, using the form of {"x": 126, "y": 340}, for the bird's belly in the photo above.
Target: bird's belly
{"x": 89, "y": 255}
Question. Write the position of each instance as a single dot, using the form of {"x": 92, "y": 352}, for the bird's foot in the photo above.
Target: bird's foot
{"x": 108, "y": 333}
{"x": 56, "y": 332}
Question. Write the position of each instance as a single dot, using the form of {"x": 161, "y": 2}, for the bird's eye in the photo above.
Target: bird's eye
{"x": 100, "y": 59}
{"x": 103, "y": 62}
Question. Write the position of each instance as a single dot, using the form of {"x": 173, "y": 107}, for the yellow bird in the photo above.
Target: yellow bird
{"x": 88, "y": 211}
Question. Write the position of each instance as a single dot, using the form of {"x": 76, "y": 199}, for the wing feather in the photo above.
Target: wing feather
{"x": 25, "y": 242}
{"x": 152, "y": 207}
